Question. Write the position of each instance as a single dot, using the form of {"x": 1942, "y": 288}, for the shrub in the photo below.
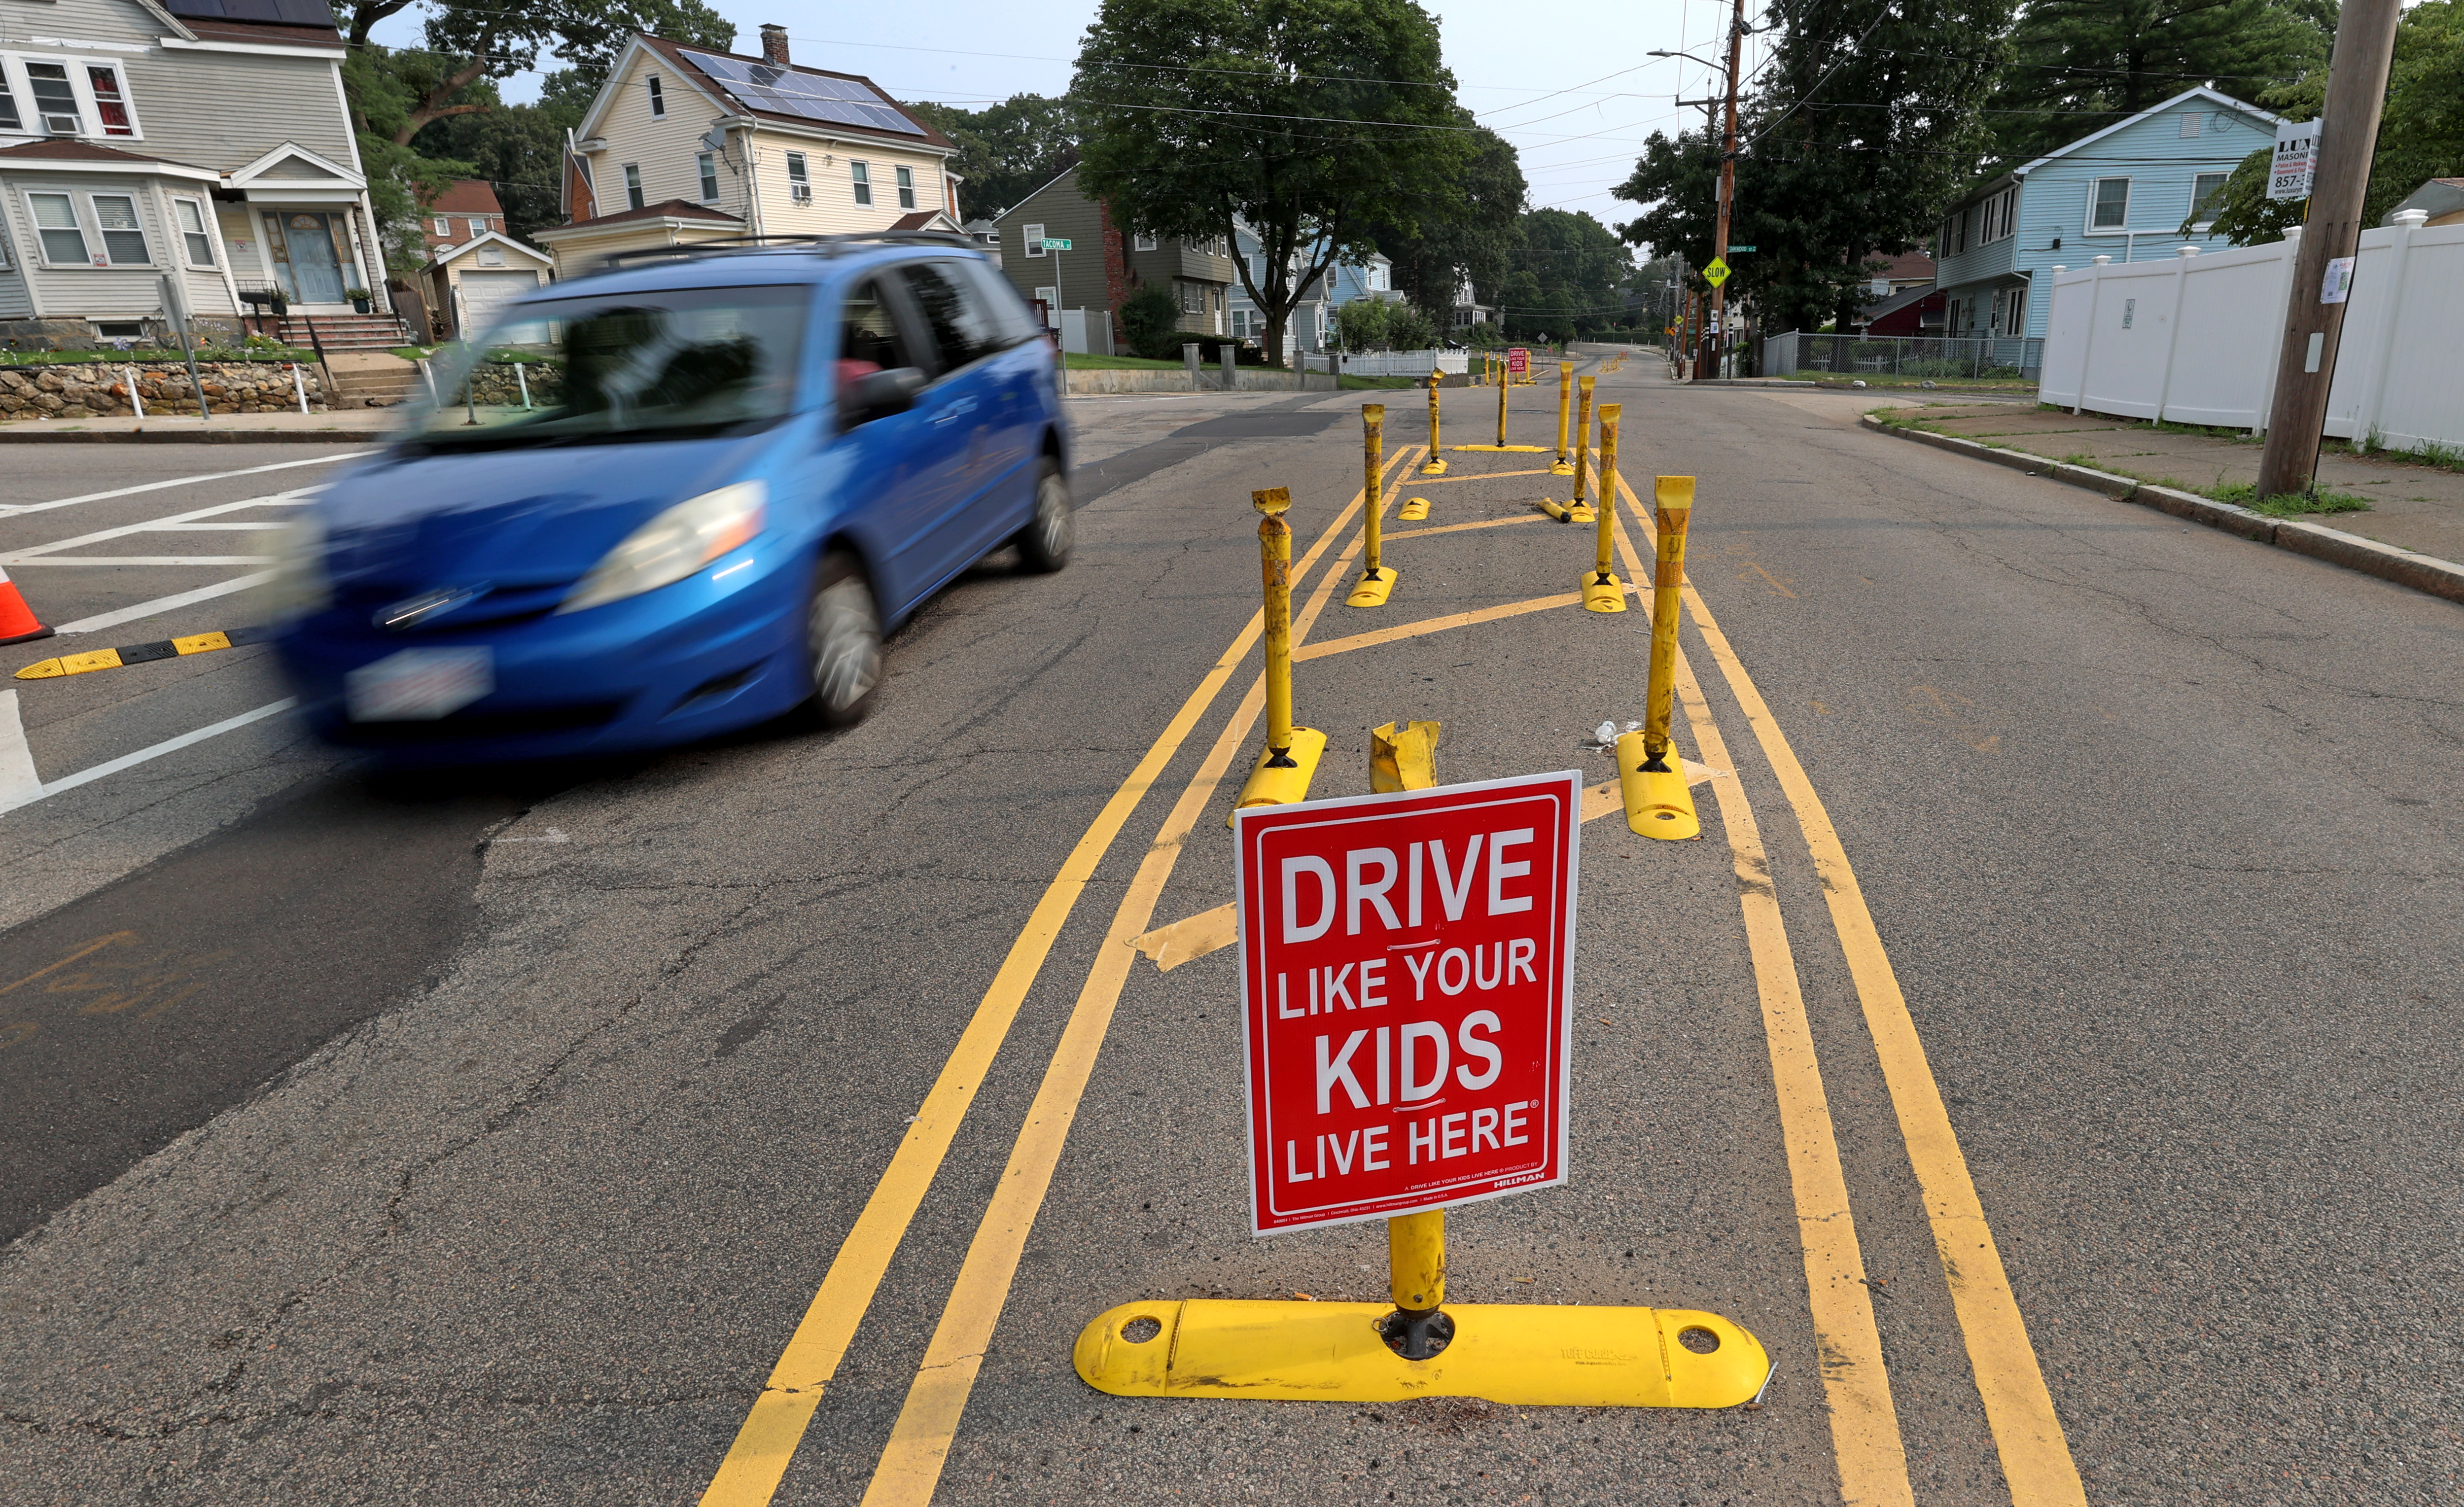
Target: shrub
{"x": 1149, "y": 317}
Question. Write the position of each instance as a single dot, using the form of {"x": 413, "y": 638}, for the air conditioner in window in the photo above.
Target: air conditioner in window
{"x": 62, "y": 125}
{"x": 801, "y": 193}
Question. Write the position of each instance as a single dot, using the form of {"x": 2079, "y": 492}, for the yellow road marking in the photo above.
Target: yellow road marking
{"x": 2027, "y": 1433}
{"x": 766, "y": 1442}
{"x": 1457, "y": 620}
{"x": 1864, "y": 1425}
{"x": 1433, "y": 481}
{"x": 1458, "y": 528}
{"x": 911, "y": 1463}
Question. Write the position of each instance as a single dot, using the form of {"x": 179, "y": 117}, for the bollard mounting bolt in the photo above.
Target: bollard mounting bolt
{"x": 1417, "y": 1336}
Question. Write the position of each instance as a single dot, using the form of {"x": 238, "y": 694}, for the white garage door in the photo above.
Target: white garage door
{"x": 482, "y": 291}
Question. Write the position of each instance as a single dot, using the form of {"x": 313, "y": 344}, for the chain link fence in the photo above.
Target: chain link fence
{"x": 1940, "y": 359}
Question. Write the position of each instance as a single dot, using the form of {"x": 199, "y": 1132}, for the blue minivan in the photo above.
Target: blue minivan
{"x": 679, "y": 497}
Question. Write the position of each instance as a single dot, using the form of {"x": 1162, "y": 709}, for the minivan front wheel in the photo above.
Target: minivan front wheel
{"x": 842, "y": 643}
{"x": 1044, "y": 544}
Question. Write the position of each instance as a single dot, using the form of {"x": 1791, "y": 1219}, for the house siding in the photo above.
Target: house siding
{"x": 827, "y": 161}
{"x": 665, "y": 147}
{"x": 1066, "y": 214}
{"x": 2055, "y": 196}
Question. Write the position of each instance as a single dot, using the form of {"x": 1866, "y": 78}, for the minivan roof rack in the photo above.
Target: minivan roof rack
{"x": 824, "y": 245}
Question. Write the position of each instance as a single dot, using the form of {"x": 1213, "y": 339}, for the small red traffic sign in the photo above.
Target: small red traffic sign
{"x": 1518, "y": 360}
{"x": 1406, "y": 998}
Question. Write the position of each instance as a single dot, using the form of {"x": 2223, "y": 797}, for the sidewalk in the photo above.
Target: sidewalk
{"x": 2412, "y": 506}
{"x": 238, "y": 428}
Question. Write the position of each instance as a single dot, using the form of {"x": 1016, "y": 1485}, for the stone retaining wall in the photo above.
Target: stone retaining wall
{"x": 91, "y": 390}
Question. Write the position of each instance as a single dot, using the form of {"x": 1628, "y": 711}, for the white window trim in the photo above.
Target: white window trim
{"x": 21, "y": 89}
{"x": 2201, "y": 226}
{"x": 2094, "y": 183}
{"x": 658, "y": 97}
{"x": 800, "y": 179}
{"x": 86, "y": 233}
{"x": 633, "y": 190}
{"x": 1031, "y": 239}
{"x": 442, "y": 226}
{"x": 136, "y": 212}
{"x": 478, "y": 224}
{"x": 1146, "y": 243}
{"x": 860, "y": 180}
{"x": 212, "y": 232}
{"x": 706, "y": 176}
{"x": 904, "y": 180}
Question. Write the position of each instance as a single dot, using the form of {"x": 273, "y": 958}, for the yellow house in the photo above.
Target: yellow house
{"x": 684, "y": 144}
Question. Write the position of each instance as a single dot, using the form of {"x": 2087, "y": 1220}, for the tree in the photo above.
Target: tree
{"x": 1008, "y": 150}
{"x": 1866, "y": 125}
{"x": 2421, "y": 131}
{"x": 1361, "y": 324}
{"x": 1569, "y": 278}
{"x": 1410, "y": 329}
{"x": 2077, "y": 66}
{"x": 479, "y": 39}
{"x": 1471, "y": 240}
{"x": 1312, "y": 123}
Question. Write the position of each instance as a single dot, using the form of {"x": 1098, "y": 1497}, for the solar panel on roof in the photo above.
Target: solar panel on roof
{"x": 782, "y": 91}
{"x": 278, "y": 12}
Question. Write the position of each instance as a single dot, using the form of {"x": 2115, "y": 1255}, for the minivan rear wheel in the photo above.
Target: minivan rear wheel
{"x": 1044, "y": 544}
{"x": 842, "y": 644}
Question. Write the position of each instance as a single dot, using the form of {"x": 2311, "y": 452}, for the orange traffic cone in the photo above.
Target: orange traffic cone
{"x": 18, "y": 624}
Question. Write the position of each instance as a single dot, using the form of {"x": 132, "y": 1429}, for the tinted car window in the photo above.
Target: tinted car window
{"x": 1010, "y": 315}
{"x": 962, "y": 325}
{"x": 870, "y": 339}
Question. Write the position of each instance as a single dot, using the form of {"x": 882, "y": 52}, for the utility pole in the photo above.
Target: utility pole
{"x": 1729, "y": 190}
{"x": 2356, "y": 83}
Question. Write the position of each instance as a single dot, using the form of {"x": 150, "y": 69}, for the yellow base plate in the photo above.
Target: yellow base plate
{"x": 1581, "y": 512}
{"x": 1281, "y": 787}
{"x": 1557, "y": 511}
{"x": 1367, "y": 593}
{"x": 1562, "y": 469}
{"x": 1602, "y": 596}
{"x": 1504, "y": 449}
{"x": 1414, "y": 509}
{"x": 1435, "y": 467}
{"x": 1518, "y": 1354}
{"x": 1656, "y": 804}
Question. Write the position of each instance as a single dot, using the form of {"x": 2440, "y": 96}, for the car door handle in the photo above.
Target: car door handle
{"x": 964, "y": 405}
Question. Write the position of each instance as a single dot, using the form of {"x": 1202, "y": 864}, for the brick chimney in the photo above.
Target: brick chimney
{"x": 774, "y": 44}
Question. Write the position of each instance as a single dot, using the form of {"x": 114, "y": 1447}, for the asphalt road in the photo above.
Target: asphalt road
{"x": 507, "y": 1132}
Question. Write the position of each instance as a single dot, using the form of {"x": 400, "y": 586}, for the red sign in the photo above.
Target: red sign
{"x": 1405, "y": 997}
{"x": 1518, "y": 360}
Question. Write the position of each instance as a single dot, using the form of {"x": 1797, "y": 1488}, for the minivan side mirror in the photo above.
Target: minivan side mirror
{"x": 877, "y": 395}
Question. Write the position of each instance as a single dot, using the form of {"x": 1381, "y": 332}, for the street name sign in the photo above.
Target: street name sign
{"x": 1052, "y": 245}
{"x": 1405, "y": 997}
{"x": 2296, "y": 162}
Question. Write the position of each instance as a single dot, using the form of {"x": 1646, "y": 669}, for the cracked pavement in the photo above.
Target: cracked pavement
{"x": 530, "y": 1150}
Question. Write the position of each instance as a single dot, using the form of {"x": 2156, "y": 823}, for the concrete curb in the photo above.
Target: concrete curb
{"x": 2423, "y": 573}
{"x": 49, "y": 435}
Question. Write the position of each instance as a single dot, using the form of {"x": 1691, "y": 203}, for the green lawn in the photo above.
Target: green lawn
{"x": 1080, "y": 361}
{"x": 1940, "y": 383}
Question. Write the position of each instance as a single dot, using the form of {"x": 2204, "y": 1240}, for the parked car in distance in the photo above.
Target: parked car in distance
{"x": 675, "y": 498}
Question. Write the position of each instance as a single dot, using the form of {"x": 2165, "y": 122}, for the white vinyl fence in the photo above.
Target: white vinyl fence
{"x": 2195, "y": 339}
{"x": 1392, "y": 364}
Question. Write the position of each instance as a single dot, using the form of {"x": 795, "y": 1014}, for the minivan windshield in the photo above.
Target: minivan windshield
{"x": 665, "y": 365}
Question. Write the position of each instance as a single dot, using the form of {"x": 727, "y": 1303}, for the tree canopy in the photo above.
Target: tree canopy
{"x": 1313, "y": 123}
{"x": 1474, "y": 240}
{"x": 1570, "y": 277}
{"x": 1008, "y": 150}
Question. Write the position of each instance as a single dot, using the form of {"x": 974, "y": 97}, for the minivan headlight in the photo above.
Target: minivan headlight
{"x": 673, "y": 545}
{"x": 300, "y": 583}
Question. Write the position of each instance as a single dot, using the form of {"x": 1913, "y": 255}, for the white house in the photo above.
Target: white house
{"x": 146, "y": 139}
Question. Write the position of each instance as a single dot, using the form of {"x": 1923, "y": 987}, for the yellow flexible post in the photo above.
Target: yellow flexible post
{"x": 1288, "y": 761}
{"x": 1377, "y": 584}
{"x": 1602, "y": 591}
{"x": 1565, "y": 464}
{"x": 1501, "y": 386}
{"x": 1435, "y": 465}
{"x": 1657, "y": 802}
{"x": 1583, "y": 443}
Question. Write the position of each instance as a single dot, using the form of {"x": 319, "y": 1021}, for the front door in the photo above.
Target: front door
{"x": 306, "y": 261}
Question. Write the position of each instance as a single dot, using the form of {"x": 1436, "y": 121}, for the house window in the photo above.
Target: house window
{"x": 861, "y": 175}
{"x": 1146, "y": 243}
{"x": 1033, "y": 235}
{"x": 2203, "y": 195}
{"x": 108, "y": 101}
{"x": 2192, "y": 120}
{"x": 1051, "y": 300}
{"x": 1193, "y": 297}
{"x": 115, "y": 213}
{"x": 10, "y": 121}
{"x": 2110, "y": 204}
{"x": 708, "y": 163}
{"x": 907, "y": 187}
{"x": 54, "y": 102}
{"x": 658, "y": 99}
{"x": 800, "y": 183}
{"x": 56, "y": 224}
{"x": 443, "y": 226}
{"x": 192, "y": 232}
{"x": 633, "y": 185}
{"x": 478, "y": 226}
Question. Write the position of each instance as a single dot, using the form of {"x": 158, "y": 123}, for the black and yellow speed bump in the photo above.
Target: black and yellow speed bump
{"x": 142, "y": 653}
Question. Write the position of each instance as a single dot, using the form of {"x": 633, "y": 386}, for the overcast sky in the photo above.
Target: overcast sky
{"x": 1568, "y": 84}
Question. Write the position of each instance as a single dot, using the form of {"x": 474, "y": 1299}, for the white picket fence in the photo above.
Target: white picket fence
{"x": 2195, "y": 339}
{"x": 1392, "y": 364}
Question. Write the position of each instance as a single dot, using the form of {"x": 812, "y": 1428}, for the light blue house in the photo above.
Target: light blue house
{"x": 2122, "y": 192}
{"x": 1313, "y": 320}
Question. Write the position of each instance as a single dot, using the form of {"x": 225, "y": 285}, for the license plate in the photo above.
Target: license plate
{"x": 420, "y": 684}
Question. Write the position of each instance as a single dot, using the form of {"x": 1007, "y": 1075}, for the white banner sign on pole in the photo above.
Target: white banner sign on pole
{"x": 2297, "y": 159}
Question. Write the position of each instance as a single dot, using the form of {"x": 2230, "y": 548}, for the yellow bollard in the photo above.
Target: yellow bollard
{"x": 1403, "y": 755}
{"x": 1288, "y": 761}
{"x": 1377, "y": 582}
{"x": 1581, "y": 505}
{"x": 1436, "y": 464}
{"x": 1415, "y": 1258}
{"x": 1602, "y": 591}
{"x": 1500, "y": 413}
{"x": 1652, "y": 777}
{"x": 1565, "y": 462}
